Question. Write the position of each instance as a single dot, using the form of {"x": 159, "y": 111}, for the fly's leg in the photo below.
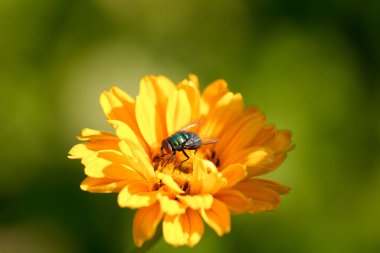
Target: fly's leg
{"x": 170, "y": 159}
{"x": 187, "y": 157}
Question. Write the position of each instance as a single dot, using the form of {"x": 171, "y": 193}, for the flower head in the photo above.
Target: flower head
{"x": 191, "y": 185}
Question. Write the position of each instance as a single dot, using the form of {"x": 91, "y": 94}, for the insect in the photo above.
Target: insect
{"x": 182, "y": 140}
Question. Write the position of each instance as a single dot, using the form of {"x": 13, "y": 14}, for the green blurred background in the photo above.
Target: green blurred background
{"x": 312, "y": 67}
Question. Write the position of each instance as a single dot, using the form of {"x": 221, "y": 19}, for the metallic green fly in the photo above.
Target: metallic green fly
{"x": 182, "y": 140}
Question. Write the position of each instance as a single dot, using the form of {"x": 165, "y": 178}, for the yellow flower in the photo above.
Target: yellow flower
{"x": 216, "y": 181}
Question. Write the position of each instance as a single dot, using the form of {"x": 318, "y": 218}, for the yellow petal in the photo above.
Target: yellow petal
{"x": 235, "y": 200}
{"x": 137, "y": 195}
{"x": 107, "y": 164}
{"x": 218, "y": 217}
{"x": 184, "y": 229}
{"x": 124, "y": 132}
{"x": 226, "y": 111}
{"x": 102, "y": 185}
{"x": 264, "y": 198}
{"x": 139, "y": 160}
{"x": 158, "y": 89}
{"x": 171, "y": 206}
{"x": 96, "y": 140}
{"x": 234, "y": 173}
{"x": 212, "y": 94}
{"x": 197, "y": 202}
{"x": 170, "y": 183}
{"x": 178, "y": 112}
{"x": 118, "y": 105}
{"x": 199, "y": 173}
{"x": 212, "y": 183}
{"x": 145, "y": 223}
{"x": 149, "y": 122}
{"x": 191, "y": 88}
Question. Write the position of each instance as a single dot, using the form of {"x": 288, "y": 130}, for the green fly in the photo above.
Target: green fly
{"x": 182, "y": 140}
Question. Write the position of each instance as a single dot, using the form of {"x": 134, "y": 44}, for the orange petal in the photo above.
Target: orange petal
{"x": 234, "y": 173}
{"x": 137, "y": 195}
{"x": 226, "y": 111}
{"x": 266, "y": 136}
{"x": 240, "y": 134}
{"x": 145, "y": 223}
{"x": 282, "y": 142}
{"x": 102, "y": 185}
{"x": 235, "y": 200}
{"x": 185, "y": 229}
{"x": 279, "y": 188}
{"x": 268, "y": 165}
{"x": 218, "y": 217}
{"x": 178, "y": 112}
{"x": 199, "y": 173}
{"x": 264, "y": 198}
{"x": 197, "y": 202}
{"x": 255, "y": 156}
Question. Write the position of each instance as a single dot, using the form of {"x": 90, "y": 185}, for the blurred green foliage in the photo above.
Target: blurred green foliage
{"x": 311, "y": 66}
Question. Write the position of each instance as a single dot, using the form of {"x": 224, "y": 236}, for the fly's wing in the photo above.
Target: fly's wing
{"x": 206, "y": 141}
{"x": 191, "y": 125}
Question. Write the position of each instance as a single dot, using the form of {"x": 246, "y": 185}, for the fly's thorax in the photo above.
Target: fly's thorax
{"x": 178, "y": 139}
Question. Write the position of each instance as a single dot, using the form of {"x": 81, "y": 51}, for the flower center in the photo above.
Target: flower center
{"x": 179, "y": 167}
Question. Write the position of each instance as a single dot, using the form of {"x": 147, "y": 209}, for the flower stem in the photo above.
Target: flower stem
{"x": 149, "y": 244}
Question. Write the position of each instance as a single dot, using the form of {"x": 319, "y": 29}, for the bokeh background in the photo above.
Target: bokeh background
{"x": 311, "y": 66}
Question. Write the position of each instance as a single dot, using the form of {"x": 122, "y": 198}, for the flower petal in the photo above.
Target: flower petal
{"x": 240, "y": 134}
{"x": 149, "y": 122}
{"x": 226, "y": 110}
{"x": 282, "y": 143}
{"x": 235, "y": 200}
{"x": 96, "y": 140}
{"x": 118, "y": 105}
{"x": 145, "y": 223}
{"x": 218, "y": 217}
{"x": 170, "y": 183}
{"x": 191, "y": 87}
{"x": 178, "y": 112}
{"x": 137, "y": 195}
{"x": 158, "y": 89}
{"x": 102, "y": 185}
{"x": 184, "y": 229}
{"x": 212, "y": 94}
{"x": 234, "y": 173}
{"x": 251, "y": 157}
{"x": 108, "y": 164}
{"x": 197, "y": 202}
{"x": 123, "y": 131}
{"x": 171, "y": 206}
{"x": 264, "y": 198}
